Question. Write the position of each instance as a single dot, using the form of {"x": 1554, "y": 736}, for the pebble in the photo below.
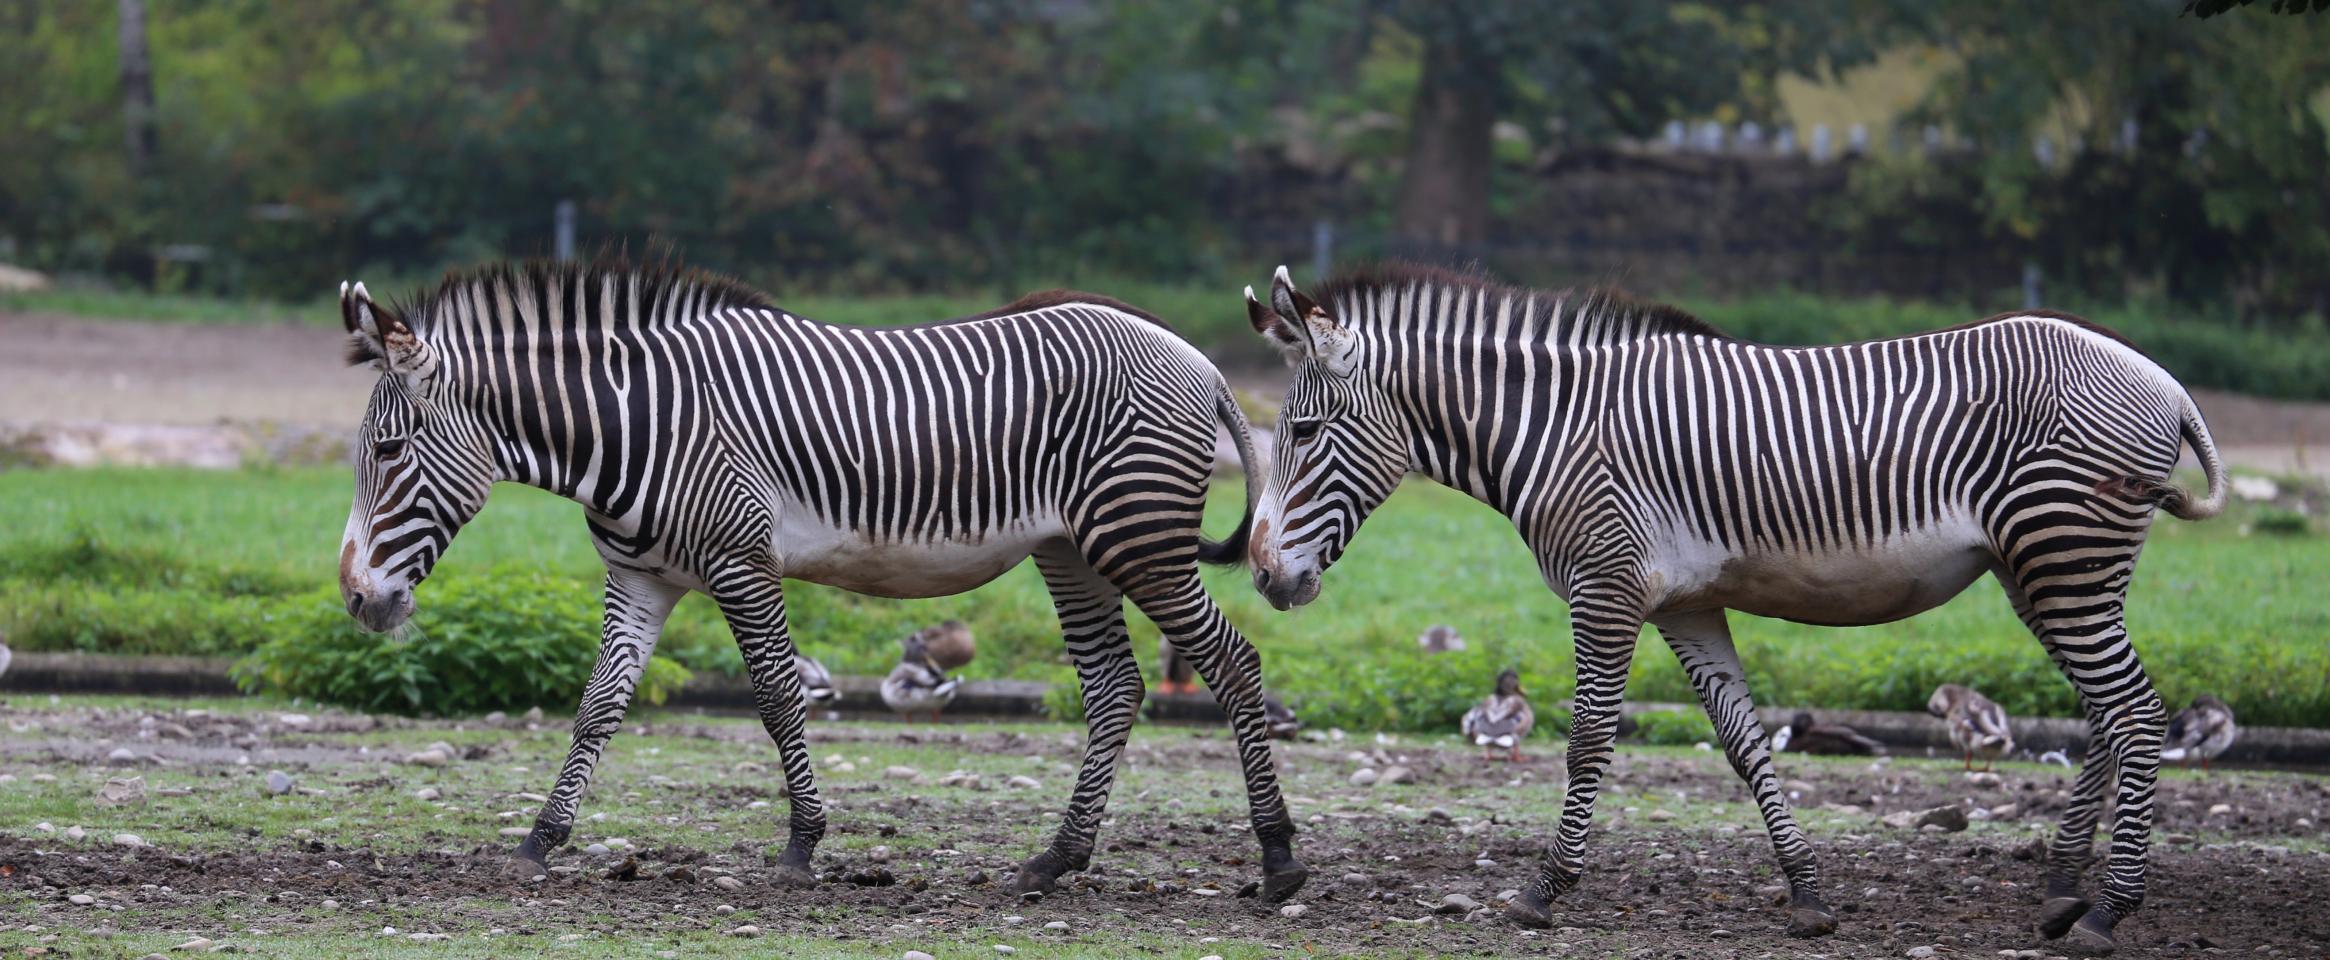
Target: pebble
{"x": 279, "y": 782}
{"x": 75, "y": 832}
{"x": 428, "y": 937}
{"x": 1056, "y": 925}
{"x": 1396, "y": 774}
{"x": 1293, "y": 910}
{"x": 330, "y": 904}
{"x": 1484, "y": 863}
{"x": 81, "y": 900}
{"x": 598, "y": 850}
{"x": 119, "y": 792}
{"x": 917, "y": 955}
{"x": 1660, "y": 816}
{"x": 748, "y": 930}
{"x": 1984, "y": 778}
{"x": 1355, "y": 878}
{"x": 129, "y": 840}
{"x": 724, "y": 909}
{"x": 1923, "y": 953}
{"x": 426, "y": 793}
{"x": 728, "y": 883}
{"x": 1456, "y": 903}
{"x": 845, "y": 767}
{"x": 294, "y": 719}
{"x": 2220, "y": 809}
{"x": 196, "y": 945}
{"x": 1006, "y": 949}
{"x": 901, "y": 773}
{"x": 1023, "y": 782}
{"x": 1211, "y": 956}
{"x": 429, "y": 758}
{"x": 515, "y": 831}
{"x": 1365, "y": 777}
{"x": 121, "y": 755}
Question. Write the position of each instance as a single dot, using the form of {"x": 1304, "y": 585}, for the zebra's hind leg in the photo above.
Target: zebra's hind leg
{"x": 1605, "y": 630}
{"x": 2077, "y": 601}
{"x": 636, "y": 606}
{"x": 1702, "y": 642}
{"x": 1233, "y": 671}
{"x": 2074, "y": 842}
{"x": 753, "y": 600}
{"x": 1092, "y": 621}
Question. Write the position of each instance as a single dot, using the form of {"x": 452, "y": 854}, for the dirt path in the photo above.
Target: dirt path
{"x": 1679, "y": 865}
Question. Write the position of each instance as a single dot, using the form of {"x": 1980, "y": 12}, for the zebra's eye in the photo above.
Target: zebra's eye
{"x": 1303, "y": 430}
{"x": 388, "y": 449}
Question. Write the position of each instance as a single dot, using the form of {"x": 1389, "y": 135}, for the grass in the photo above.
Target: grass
{"x": 191, "y": 561}
{"x": 2220, "y": 352}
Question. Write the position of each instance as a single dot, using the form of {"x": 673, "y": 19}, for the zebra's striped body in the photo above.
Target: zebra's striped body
{"x": 719, "y": 444}
{"x": 1664, "y": 473}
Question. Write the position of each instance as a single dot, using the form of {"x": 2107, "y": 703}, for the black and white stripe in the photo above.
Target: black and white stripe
{"x": 1665, "y": 473}
{"x": 720, "y": 444}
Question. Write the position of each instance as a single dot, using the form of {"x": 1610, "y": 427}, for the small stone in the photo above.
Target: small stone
{"x": 497, "y": 718}
{"x": 128, "y": 840}
{"x": 515, "y": 831}
{"x": 1984, "y": 778}
{"x": 2220, "y": 810}
{"x": 845, "y": 767}
{"x": 81, "y": 900}
{"x": 598, "y": 850}
{"x": 294, "y": 719}
{"x": 426, "y": 794}
{"x": 534, "y": 715}
{"x": 1922, "y": 953}
{"x": 748, "y": 930}
{"x": 1396, "y": 774}
{"x": 429, "y": 758}
{"x": 1777, "y": 893}
{"x": 279, "y": 782}
{"x": 1484, "y": 863}
{"x": 117, "y": 793}
{"x": 1660, "y": 816}
{"x": 728, "y": 883}
{"x": 901, "y": 773}
{"x": 428, "y": 937}
{"x": 1456, "y": 904}
{"x": 2004, "y": 810}
{"x": 196, "y": 945}
{"x": 75, "y": 832}
{"x": 1293, "y": 910}
{"x": 1006, "y": 949}
{"x": 724, "y": 909}
{"x": 330, "y": 904}
{"x": 1365, "y": 777}
{"x": 1056, "y": 925}
{"x": 917, "y": 955}
{"x": 1356, "y": 878}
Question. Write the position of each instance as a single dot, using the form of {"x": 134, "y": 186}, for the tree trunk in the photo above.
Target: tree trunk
{"x": 137, "y": 90}
{"x": 1444, "y": 189}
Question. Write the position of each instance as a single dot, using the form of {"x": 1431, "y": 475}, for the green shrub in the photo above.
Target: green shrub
{"x": 509, "y": 640}
{"x": 1673, "y": 727}
{"x": 2282, "y": 522}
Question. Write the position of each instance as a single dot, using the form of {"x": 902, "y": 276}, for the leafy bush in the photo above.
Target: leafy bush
{"x": 1673, "y": 727}
{"x": 2282, "y": 522}
{"x": 511, "y": 640}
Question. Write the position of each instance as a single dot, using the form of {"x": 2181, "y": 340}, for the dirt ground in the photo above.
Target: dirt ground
{"x": 1679, "y": 866}
{"x": 59, "y": 369}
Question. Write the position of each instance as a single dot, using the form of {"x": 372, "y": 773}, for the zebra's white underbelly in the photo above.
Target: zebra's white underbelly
{"x": 849, "y": 559}
{"x": 1855, "y": 586}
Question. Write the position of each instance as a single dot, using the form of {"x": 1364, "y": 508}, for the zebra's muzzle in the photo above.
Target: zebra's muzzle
{"x": 1286, "y": 591}
{"x": 383, "y": 612}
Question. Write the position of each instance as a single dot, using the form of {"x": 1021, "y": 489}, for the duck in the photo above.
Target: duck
{"x": 1176, "y": 674}
{"x": 1279, "y": 718}
{"x": 1440, "y": 638}
{"x": 917, "y": 687}
{"x": 816, "y": 681}
{"x": 1502, "y": 719}
{"x": 1977, "y": 726}
{"x": 950, "y": 643}
{"x": 2199, "y": 732}
{"x": 1806, "y": 735}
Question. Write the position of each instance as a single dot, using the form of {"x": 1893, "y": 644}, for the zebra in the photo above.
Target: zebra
{"x": 719, "y": 444}
{"x": 1663, "y": 472}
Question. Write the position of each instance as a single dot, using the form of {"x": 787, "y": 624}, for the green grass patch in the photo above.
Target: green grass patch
{"x": 185, "y": 561}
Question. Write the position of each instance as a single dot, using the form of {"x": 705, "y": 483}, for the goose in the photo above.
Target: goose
{"x": 1805, "y": 735}
{"x": 1282, "y": 722}
{"x": 1977, "y": 726}
{"x": 1440, "y": 638}
{"x": 2199, "y": 732}
{"x": 950, "y": 643}
{"x": 1502, "y": 719}
{"x": 816, "y": 681}
{"x": 917, "y": 686}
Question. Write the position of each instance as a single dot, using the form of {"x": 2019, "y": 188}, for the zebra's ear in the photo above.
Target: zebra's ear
{"x": 1325, "y": 340}
{"x": 1280, "y": 331}
{"x": 380, "y": 337}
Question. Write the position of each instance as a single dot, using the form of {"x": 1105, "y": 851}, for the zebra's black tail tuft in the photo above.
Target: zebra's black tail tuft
{"x": 1231, "y": 551}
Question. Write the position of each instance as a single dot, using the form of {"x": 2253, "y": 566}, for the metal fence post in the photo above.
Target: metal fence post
{"x": 562, "y": 230}
{"x": 1322, "y": 247}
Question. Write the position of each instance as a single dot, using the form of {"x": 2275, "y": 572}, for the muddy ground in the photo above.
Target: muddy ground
{"x": 1679, "y": 868}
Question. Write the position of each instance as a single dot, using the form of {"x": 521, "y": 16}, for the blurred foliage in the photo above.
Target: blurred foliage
{"x": 1004, "y": 144}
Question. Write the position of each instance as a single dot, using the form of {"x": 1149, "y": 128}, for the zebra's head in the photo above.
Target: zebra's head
{"x": 1341, "y": 446}
{"x": 422, "y": 467}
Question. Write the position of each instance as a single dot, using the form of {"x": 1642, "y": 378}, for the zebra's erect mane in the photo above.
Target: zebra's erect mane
{"x": 657, "y": 280}
{"x": 1606, "y": 307}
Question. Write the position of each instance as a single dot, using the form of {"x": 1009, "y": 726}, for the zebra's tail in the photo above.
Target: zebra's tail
{"x": 1232, "y": 550}
{"x": 2170, "y": 497}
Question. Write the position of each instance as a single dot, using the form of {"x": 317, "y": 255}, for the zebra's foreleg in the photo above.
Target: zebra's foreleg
{"x": 1092, "y": 622}
{"x": 1605, "y": 634}
{"x": 1233, "y": 671}
{"x": 636, "y": 606}
{"x": 754, "y": 603}
{"x": 1702, "y": 642}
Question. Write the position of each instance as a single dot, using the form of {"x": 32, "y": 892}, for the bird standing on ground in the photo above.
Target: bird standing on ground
{"x": 1282, "y": 722}
{"x": 917, "y": 687}
{"x": 950, "y": 643}
{"x": 1502, "y": 719}
{"x": 1977, "y": 726}
{"x": 1805, "y": 735}
{"x": 816, "y": 681}
{"x": 1440, "y": 638}
{"x": 2199, "y": 732}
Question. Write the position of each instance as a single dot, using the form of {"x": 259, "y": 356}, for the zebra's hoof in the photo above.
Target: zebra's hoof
{"x": 1033, "y": 878}
{"x": 2092, "y": 936}
{"x": 1281, "y": 884}
{"x": 2058, "y": 914}
{"x": 526, "y": 865}
{"x": 792, "y": 876}
{"x": 1529, "y": 910}
{"x": 1807, "y": 922}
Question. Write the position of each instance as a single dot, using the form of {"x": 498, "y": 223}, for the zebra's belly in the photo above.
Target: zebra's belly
{"x": 904, "y": 570}
{"x": 1849, "y": 587}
